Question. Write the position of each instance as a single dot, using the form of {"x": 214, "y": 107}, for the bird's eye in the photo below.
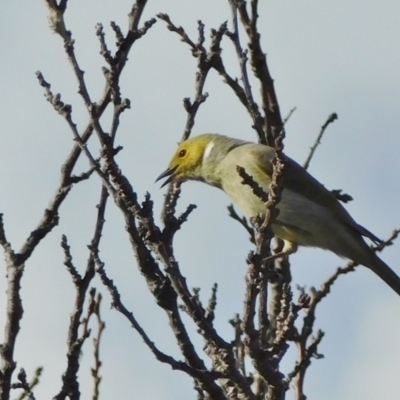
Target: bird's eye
{"x": 182, "y": 153}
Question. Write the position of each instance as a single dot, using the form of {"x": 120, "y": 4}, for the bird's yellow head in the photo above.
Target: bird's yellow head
{"x": 187, "y": 161}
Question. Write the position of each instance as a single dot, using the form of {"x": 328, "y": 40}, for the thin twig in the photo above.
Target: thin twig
{"x": 330, "y": 120}
{"x": 289, "y": 115}
{"x": 28, "y": 390}
{"x": 96, "y": 343}
{"x": 243, "y": 221}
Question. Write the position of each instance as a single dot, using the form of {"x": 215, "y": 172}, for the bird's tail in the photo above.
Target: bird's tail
{"x": 385, "y": 273}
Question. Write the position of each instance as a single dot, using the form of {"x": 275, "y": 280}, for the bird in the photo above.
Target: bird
{"x": 309, "y": 214}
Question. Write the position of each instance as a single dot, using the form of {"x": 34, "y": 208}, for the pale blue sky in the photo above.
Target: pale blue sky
{"x": 325, "y": 56}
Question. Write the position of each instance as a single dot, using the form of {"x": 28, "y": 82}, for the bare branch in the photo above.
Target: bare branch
{"x": 118, "y": 33}
{"x": 76, "y": 277}
{"x": 104, "y": 51}
{"x": 119, "y": 306}
{"x": 289, "y": 115}
{"x": 257, "y": 279}
{"x": 179, "y": 30}
{"x": 28, "y": 387}
{"x": 305, "y": 356}
{"x": 23, "y": 384}
{"x": 133, "y": 34}
{"x": 96, "y": 343}
{"x": 273, "y": 124}
{"x": 84, "y": 175}
{"x": 212, "y": 303}
{"x": 243, "y": 221}
{"x": 205, "y": 63}
{"x": 330, "y": 120}
{"x": 75, "y": 342}
{"x": 14, "y": 312}
{"x": 56, "y": 18}
{"x": 251, "y": 105}
{"x": 70, "y": 383}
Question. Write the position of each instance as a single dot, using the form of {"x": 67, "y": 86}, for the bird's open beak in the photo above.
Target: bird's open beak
{"x": 169, "y": 172}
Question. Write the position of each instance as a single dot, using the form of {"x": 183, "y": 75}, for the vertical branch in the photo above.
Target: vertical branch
{"x": 203, "y": 67}
{"x": 272, "y": 117}
{"x": 258, "y": 276}
{"x": 251, "y": 105}
{"x": 14, "y": 314}
{"x": 96, "y": 342}
{"x": 70, "y": 386}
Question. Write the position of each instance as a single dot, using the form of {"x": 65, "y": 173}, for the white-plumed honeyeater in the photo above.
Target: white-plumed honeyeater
{"x": 309, "y": 214}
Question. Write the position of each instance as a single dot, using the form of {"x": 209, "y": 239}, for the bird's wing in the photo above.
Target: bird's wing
{"x": 298, "y": 180}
